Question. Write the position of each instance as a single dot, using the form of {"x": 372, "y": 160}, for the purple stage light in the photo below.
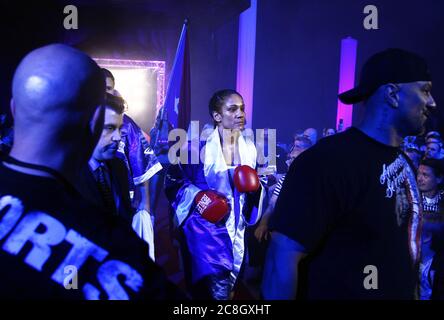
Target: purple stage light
{"x": 346, "y": 81}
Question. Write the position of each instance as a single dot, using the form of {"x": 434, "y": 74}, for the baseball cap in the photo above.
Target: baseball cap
{"x": 389, "y": 66}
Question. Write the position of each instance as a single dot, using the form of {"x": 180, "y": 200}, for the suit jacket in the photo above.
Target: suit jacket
{"x": 118, "y": 174}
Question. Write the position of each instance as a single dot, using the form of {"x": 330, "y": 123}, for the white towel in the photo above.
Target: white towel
{"x": 143, "y": 226}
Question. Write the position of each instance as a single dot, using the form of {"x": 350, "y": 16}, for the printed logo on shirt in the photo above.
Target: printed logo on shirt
{"x": 23, "y": 228}
{"x": 395, "y": 176}
{"x": 401, "y": 181}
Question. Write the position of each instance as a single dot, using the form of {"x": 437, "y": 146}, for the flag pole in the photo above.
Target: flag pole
{"x": 162, "y": 118}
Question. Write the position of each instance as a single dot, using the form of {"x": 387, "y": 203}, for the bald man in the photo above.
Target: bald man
{"x": 53, "y": 243}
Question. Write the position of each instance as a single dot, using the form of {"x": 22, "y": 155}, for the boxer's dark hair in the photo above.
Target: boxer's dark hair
{"x": 218, "y": 98}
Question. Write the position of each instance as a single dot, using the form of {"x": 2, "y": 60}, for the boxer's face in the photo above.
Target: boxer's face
{"x": 232, "y": 113}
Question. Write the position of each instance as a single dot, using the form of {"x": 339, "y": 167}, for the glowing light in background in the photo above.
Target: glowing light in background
{"x": 134, "y": 86}
{"x": 346, "y": 80}
{"x": 142, "y": 84}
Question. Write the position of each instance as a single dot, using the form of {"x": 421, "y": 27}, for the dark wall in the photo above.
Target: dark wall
{"x": 23, "y": 27}
{"x": 298, "y": 52}
{"x": 297, "y": 47}
{"x": 138, "y": 29}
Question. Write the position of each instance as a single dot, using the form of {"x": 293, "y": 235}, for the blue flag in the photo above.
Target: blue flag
{"x": 176, "y": 112}
{"x": 178, "y": 97}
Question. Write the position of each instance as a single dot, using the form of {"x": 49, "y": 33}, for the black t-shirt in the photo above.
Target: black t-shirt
{"x": 47, "y": 230}
{"x": 349, "y": 201}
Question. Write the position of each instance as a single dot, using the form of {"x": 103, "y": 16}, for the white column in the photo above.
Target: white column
{"x": 246, "y": 57}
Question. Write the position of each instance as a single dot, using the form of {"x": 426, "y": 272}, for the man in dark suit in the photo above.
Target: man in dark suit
{"x": 105, "y": 179}
{"x": 142, "y": 165}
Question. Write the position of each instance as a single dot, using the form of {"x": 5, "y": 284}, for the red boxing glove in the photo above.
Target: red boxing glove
{"x": 246, "y": 179}
{"x": 211, "y": 205}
